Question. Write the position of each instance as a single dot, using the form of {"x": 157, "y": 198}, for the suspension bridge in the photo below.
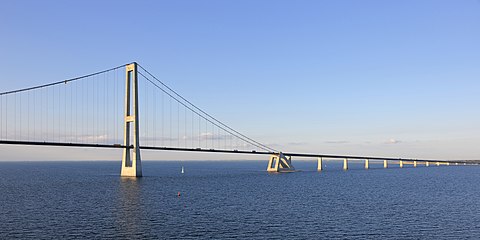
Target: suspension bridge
{"x": 128, "y": 108}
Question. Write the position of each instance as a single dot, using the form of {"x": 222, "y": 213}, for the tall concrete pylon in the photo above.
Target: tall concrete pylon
{"x": 131, "y": 161}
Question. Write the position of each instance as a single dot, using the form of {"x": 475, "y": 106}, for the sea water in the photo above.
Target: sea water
{"x": 237, "y": 199}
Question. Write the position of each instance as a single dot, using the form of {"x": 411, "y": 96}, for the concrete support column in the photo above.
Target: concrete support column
{"x": 401, "y": 164}
{"x": 273, "y": 163}
{"x": 319, "y": 164}
{"x": 385, "y": 164}
{"x": 366, "y": 164}
{"x": 280, "y": 163}
{"x": 427, "y": 164}
{"x": 414, "y": 163}
{"x": 345, "y": 164}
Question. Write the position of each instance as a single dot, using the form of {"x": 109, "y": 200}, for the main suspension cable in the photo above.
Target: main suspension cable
{"x": 217, "y": 123}
{"x": 60, "y": 82}
{"x": 243, "y": 137}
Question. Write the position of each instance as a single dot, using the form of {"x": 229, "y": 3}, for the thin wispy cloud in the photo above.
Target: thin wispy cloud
{"x": 337, "y": 142}
{"x": 274, "y": 145}
{"x": 297, "y": 143}
{"x": 393, "y": 141}
{"x": 211, "y": 136}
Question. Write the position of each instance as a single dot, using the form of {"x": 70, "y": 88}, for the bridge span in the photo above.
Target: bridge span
{"x": 106, "y": 109}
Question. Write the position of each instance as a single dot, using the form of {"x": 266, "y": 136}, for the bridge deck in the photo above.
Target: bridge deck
{"x": 60, "y": 144}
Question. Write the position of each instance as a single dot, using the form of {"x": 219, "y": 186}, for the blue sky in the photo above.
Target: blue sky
{"x": 385, "y": 78}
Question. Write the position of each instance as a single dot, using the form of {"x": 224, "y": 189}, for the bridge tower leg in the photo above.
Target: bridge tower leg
{"x": 131, "y": 161}
{"x": 320, "y": 164}
{"x": 345, "y": 164}
{"x": 280, "y": 163}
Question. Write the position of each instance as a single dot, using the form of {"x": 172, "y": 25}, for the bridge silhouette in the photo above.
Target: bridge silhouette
{"x": 128, "y": 108}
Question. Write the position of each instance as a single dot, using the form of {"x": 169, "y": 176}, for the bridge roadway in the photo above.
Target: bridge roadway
{"x": 307, "y": 155}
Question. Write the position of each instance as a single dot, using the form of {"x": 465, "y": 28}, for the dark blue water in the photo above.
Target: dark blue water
{"x": 221, "y": 200}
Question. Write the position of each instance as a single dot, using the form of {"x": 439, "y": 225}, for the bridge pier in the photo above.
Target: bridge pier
{"x": 366, "y": 164}
{"x": 131, "y": 160}
{"x": 401, "y": 164}
{"x": 385, "y": 164}
{"x": 319, "y": 164}
{"x": 414, "y": 163}
{"x": 427, "y": 164}
{"x": 280, "y": 163}
{"x": 345, "y": 164}
{"x": 438, "y": 164}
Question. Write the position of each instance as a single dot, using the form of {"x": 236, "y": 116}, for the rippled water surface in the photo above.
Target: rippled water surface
{"x": 221, "y": 200}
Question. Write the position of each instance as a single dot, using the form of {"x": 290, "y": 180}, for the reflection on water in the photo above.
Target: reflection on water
{"x": 129, "y": 211}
